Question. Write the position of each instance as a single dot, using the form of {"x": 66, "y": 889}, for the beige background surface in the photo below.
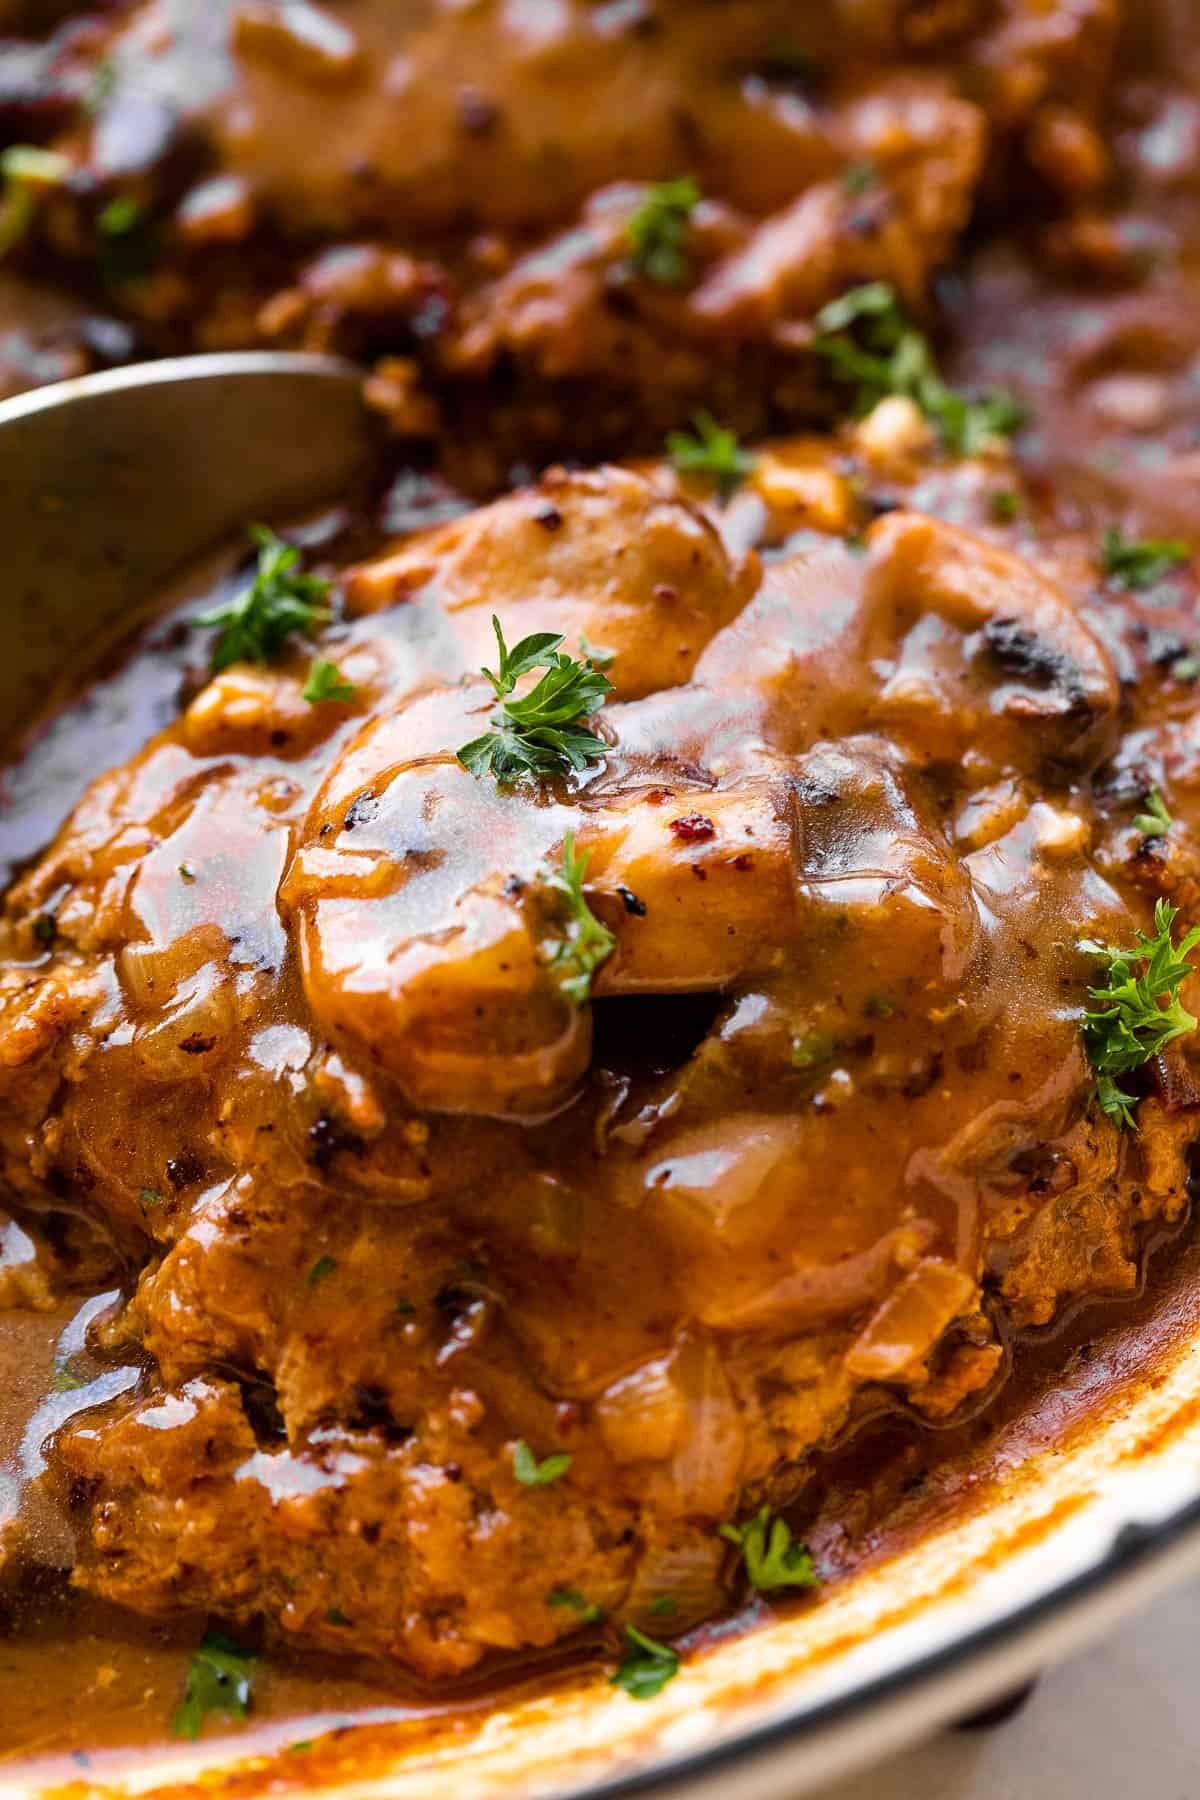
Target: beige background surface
{"x": 1120, "y": 1722}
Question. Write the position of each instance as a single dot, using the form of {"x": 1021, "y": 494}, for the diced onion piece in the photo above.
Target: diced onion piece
{"x": 677, "y": 1583}
{"x": 904, "y": 1328}
{"x": 707, "y": 1467}
{"x": 151, "y": 972}
{"x": 822, "y": 1294}
{"x": 643, "y": 1416}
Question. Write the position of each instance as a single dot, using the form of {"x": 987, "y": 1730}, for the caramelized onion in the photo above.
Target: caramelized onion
{"x": 677, "y": 1583}
{"x": 707, "y": 1466}
{"x": 679, "y": 1408}
{"x": 811, "y": 1298}
{"x": 903, "y": 1330}
{"x": 151, "y": 972}
{"x": 643, "y": 1416}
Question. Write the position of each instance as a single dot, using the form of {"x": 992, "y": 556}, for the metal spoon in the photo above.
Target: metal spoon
{"x": 111, "y": 484}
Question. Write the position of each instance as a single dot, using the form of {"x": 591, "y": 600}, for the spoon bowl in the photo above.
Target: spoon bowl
{"x": 112, "y": 483}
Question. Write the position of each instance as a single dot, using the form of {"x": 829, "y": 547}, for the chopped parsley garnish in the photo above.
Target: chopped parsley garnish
{"x": 405, "y": 1308}
{"x": 66, "y": 1381}
{"x": 100, "y": 88}
{"x": 812, "y": 1051}
{"x": 1135, "y": 1016}
{"x": 119, "y": 218}
{"x": 596, "y": 654}
{"x": 1135, "y": 566}
{"x": 589, "y": 1612}
{"x": 321, "y": 1270}
{"x": 587, "y": 943}
{"x": 127, "y": 241}
{"x": 148, "y": 1197}
{"x": 871, "y": 345}
{"x": 1004, "y": 506}
{"x": 1155, "y": 821}
{"x": 541, "y": 732}
{"x": 772, "y": 1559}
{"x": 281, "y": 599}
{"x": 646, "y": 1667}
{"x": 326, "y": 682}
{"x": 710, "y": 450}
{"x": 30, "y": 165}
{"x": 45, "y": 928}
{"x": 658, "y": 231}
{"x": 879, "y": 1006}
{"x": 860, "y": 177}
{"x": 25, "y": 170}
{"x": 336, "y": 1616}
{"x": 532, "y": 1473}
{"x": 218, "y": 1680}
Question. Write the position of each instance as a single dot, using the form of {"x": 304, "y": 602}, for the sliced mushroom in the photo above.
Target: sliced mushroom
{"x": 701, "y": 887}
{"x": 983, "y": 654}
{"x": 601, "y": 556}
{"x": 415, "y": 941}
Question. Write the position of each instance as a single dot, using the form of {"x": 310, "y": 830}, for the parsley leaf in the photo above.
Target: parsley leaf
{"x": 1156, "y": 821}
{"x": 772, "y": 1560}
{"x": 281, "y": 599}
{"x": 532, "y": 1473}
{"x": 30, "y": 165}
{"x": 646, "y": 1667}
{"x": 541, "y": 733}
{"x": 101, "y": 87}
{"x": 326, "y": 682}
{"x": 596, "y": 654}
{"x": 968, "y": 426}
{"x": 589, "y": 1612}
{"x": 321, "y": 1270}
{"x": 217, "y": 1681}
{"x": 1136, "y": 566}
{"x": 588, "y": 943}
{"x": 813, "y": 1050}
{"x": 119, "y": 217}
{"x": 1129, "y": 1024}
{"x": 870, "y": 344}
{"x": 128, "y": 245}
{"x": 658, "y": 228}
{"x": 860, "y": 177}
{"x": 1004, "y": 506}
{"x": 710, "y": 451}
{"x": 26, "y": 170}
